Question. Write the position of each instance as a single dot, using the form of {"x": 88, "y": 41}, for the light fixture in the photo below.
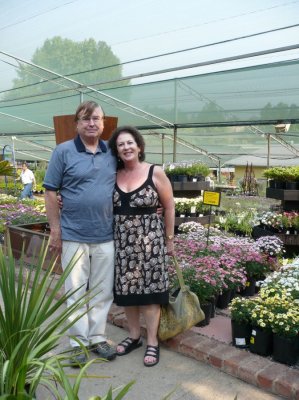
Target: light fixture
{"x": 281, "y": 127}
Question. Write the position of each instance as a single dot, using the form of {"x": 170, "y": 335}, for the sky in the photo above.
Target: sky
{"x": 137, "y": 29}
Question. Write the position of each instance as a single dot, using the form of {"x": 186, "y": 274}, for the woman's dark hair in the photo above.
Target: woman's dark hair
{"x": 137, "y": 137}
{"x": 86, "y": 108}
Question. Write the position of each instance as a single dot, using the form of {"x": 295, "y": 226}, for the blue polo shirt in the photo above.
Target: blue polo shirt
{"x": 86, "y": 183}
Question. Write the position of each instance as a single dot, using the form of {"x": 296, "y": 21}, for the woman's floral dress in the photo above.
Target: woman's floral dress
{"x": 141, "y": 275}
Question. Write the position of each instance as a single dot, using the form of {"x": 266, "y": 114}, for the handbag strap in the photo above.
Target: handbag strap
{"x": 179, "y": 274}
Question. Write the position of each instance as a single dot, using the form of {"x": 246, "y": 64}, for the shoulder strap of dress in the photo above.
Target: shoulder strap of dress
{"x": 150, "y": 172}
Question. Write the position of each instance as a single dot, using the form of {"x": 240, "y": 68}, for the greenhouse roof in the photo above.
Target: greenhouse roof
{"x": 211, "y": 117}
{"x": 201, "y": 83}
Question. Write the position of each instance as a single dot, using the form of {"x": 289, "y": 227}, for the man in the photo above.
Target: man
{"x": 28, "y": 181}
{"x": 83, "y": 171}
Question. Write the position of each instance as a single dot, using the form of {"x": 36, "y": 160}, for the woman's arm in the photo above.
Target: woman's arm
{"x": 165, "y": 193}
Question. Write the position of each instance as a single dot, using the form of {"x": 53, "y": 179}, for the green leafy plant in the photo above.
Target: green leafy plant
{"x": 197, "y": 169}
{"x": 6, "y": 169}
{"x": 32, "y": 321}
{"x": 261, "y": 315}
{"x": 241, "y": 309}
{"x": 282, "y": 173}
{"x": 256, "y": 269}
{"x": 287, "y": 323}
{"x": 203, "y": 289}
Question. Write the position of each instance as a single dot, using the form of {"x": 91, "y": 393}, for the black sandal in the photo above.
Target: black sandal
{"x": 129, "y": 345}
{"x": 152, "y": 351}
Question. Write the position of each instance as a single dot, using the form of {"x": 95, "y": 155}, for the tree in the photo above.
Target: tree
{"x": 88, "y": 62}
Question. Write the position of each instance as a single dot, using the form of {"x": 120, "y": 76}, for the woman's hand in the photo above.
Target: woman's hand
{"x": 59, "y": 201}
{"x": 170, "y": 247}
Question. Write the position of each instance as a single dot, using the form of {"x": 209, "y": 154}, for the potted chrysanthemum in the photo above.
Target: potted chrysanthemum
{"x": 261, "y": 339}
{"x": 240, "y": 313}
{"x": 285, "y": 324}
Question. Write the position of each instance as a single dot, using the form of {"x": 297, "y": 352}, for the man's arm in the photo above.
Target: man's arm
{"x": 53, "y": 215}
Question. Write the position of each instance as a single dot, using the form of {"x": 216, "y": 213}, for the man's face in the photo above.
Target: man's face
{"x": 91, "y": 127}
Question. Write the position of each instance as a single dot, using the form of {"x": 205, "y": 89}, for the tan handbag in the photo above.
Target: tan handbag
{"x": 182, "y": 312}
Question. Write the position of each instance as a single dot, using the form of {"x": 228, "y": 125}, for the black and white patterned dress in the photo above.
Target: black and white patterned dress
{"x": 141, "y": 275}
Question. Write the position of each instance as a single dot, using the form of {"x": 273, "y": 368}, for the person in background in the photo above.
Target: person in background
{"x": 28, "y": 181}
{"x": 142, "y": 240}
{"x": 83, "y": 171}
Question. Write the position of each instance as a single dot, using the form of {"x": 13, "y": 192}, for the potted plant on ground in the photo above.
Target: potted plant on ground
{"x": 261, "y": 339}
{"x": 198, "y": 282}
{"x": 285, "y": 324}
{"x": 240, "y": 312}
{"x": 285, "y": 329}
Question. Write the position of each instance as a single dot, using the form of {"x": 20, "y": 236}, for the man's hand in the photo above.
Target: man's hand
{"x": 55, "y": 243}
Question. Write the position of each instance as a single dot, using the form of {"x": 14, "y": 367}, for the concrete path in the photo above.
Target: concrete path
{"x": 188, "y": 378}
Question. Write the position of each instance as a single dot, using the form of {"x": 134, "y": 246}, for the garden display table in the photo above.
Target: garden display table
{"x": 289, "y": 198}
{"x": 191, "y": 189}
{"x": 290, "y": 202}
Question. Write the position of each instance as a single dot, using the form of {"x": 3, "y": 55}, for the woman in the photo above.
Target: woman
{"x": 141, "y": 240}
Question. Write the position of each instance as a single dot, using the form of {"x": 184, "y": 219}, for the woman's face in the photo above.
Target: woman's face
{"x": 127, "y": 147}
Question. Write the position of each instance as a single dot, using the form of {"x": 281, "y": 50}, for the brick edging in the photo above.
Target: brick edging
{"x": 259, "y": 371}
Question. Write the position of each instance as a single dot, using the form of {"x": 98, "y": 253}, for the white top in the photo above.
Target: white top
{"x": 27, "y": 177}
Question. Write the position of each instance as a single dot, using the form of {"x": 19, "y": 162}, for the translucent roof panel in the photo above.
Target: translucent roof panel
{"x": 211, "y": 112}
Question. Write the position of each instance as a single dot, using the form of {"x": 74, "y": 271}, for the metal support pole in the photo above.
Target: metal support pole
{"x": 14, "y": 158}
{"x": 163, "y": 149}
{"x": 175, "y": 131}
{"x": 268, "y": 152}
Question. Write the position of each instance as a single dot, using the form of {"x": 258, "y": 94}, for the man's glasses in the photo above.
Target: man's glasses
{"x": 94, "y": 119}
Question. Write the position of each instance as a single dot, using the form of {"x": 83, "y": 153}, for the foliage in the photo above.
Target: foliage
{"x": 270, "y": 219}
{"x": 192, "y": 226}
{"x": 32, "y": 321}
{"x": 270, "y": 245}
{"x": 28, "y": 325}
{"x": 257, "y": 269}
{"x": 241, "y": 309}
{"x": 278, "y": 221}
{"x": 197, "y": 169}
{"x": 282, "y": 173}
{"x": 261, "y": 315}
{"x": 62, "y": 56}
{"x": 6, "y": 169}
{"x": 241, "y": 222}
{"x": 185, "y": 205}
{"x": 21, "y": 213}
{"x": 284, "y": 308}
{"x": 287, "y": 279}
{"x": 217, "y": 262}
{"x": 287, "y": 323}
{"x": 191, "y": 170}
{"x": 242, "y": 203}
{"x": 290, "y": 219}
{"x": 198, "y": 282}
{"x": 11, "y": 188}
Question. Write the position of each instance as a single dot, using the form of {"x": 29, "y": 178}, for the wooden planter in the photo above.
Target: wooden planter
{"x": 29, "y": 239}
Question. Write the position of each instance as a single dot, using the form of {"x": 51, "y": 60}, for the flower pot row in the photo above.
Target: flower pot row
{"x": 263, "y": 342}
{"x": 286, "y": 185}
